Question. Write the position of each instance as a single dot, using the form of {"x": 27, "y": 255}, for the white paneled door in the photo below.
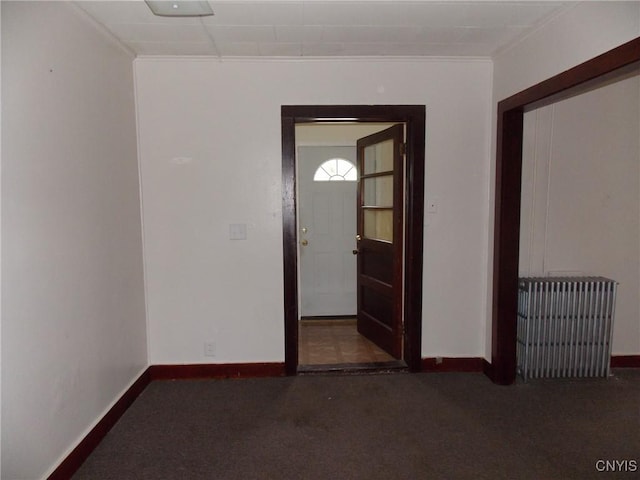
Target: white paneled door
{"x": 327, "y": 189}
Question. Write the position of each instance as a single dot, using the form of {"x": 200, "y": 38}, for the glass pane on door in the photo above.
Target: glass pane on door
{"x": 378, "y": 191}
{"x": 378, "y": 157}
{"x": 378, "y": 224}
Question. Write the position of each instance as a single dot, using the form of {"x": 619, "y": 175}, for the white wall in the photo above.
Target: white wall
{"x": 578, "y": 34}
{"x": 581, "y": 197}
{"x": 73, "y": 314}
{"x": 225, "y": 117}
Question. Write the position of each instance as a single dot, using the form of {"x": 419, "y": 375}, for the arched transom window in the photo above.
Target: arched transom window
{"x": 336, "y": 169}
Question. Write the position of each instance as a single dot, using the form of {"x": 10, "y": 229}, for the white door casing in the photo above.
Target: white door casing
{"x": 326, "y": 234}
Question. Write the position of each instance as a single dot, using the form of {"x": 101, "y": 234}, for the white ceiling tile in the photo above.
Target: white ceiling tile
{"x": 238, "y": 49}
{"x": 438, "y": 34}
{"x": 412, "y": 49}
{"x": 226, "y": 13}
{"x": 490, "y": 35}
{"x": 280, "y": 49}
{"x": 354, "y": 13}
{"x": 324, "y": 49}
{"x": 276, "y": 13}
{"x": 383, "y": 13}
{"x": 328, "y": 27}
{"x": 368, "y": 34}
{"x": 533, "y": 13}
{"x": 495, "y": 14}
{"x": 172, "y": 48}
{"x": 365, "y": 49}
{"x": 132, "y": 11}
{"x": 378, "y": 14}
{"x": 299, "y": 33}
{"x": 437, "y": 14}
{"x": 159, "y": 32}
{"x": 255, "y": 13}
{"x": 330, "y": 13}
{"x": 242, "y": 33}
{"x": 466, "y": 49}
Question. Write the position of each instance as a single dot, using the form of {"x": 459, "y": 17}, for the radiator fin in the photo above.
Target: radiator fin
{"x": 564, "y": 326}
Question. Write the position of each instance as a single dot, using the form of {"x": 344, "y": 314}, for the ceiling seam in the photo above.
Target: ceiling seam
{"x": 211, "y": 39}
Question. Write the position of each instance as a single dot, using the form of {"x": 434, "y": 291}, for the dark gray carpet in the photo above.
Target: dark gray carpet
{"x": 399, "y": 426}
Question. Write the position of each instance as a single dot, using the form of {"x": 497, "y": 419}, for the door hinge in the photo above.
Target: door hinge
{"x": 403, "y": 149}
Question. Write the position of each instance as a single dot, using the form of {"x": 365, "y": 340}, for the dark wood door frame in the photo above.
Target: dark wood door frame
{"x": 413, "y": 116}
{"x": 611, "y": 66}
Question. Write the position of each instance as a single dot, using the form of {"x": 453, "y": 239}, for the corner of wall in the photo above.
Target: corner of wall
{"x": 142, "y": 223}
{"x": 100, "y": 28}
{"x": 488, "y": 233}
{"x": 70, "y": 233}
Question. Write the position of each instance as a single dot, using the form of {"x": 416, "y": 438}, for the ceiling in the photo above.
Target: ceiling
{"x": 326, "y": 28}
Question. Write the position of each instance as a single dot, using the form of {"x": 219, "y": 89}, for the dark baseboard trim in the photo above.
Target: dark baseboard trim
{"x": 452, "y": 364}
{"x": 625, "y": 361}
{"x": 487, "y": 368}
{"x": 329, "y": 317}
{"x": 617, "y": 361}
{"x": 76, "y": 458}
{"x": 216, "y": 370}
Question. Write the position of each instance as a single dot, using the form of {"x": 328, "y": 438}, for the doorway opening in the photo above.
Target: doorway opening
{"x": 337, "y": 311}
{"x": 373, "y": 251}
{"x": 613, "y": 65}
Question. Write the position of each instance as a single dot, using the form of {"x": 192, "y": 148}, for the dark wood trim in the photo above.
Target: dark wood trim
{"x": 487, "y": 369}
{"x": 398, "y": 219}
{"x": 216, "y": 370}
{"x": 290, "y": 243}
{"x": 76, "y": 458}
{"x": 563, "y": 85}
{"x": 414, "y": 117}
{"x": 453, "y": 364}
{"x": 617, "y": 63}
{"x": 414, "y": 236}
{"x": 506, "y": 242}
{"x": 625, "y": 361}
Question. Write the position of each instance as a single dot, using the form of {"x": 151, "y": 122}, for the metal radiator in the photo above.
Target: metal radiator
{"x": 564, "y": 326}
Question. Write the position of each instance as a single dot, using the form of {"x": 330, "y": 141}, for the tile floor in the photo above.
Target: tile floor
{"x": 323, "y": 342}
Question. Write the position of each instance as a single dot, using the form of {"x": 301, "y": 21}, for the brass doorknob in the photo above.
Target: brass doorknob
{"x": 304, "y": 242}
{"x": 358, "y": 237}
